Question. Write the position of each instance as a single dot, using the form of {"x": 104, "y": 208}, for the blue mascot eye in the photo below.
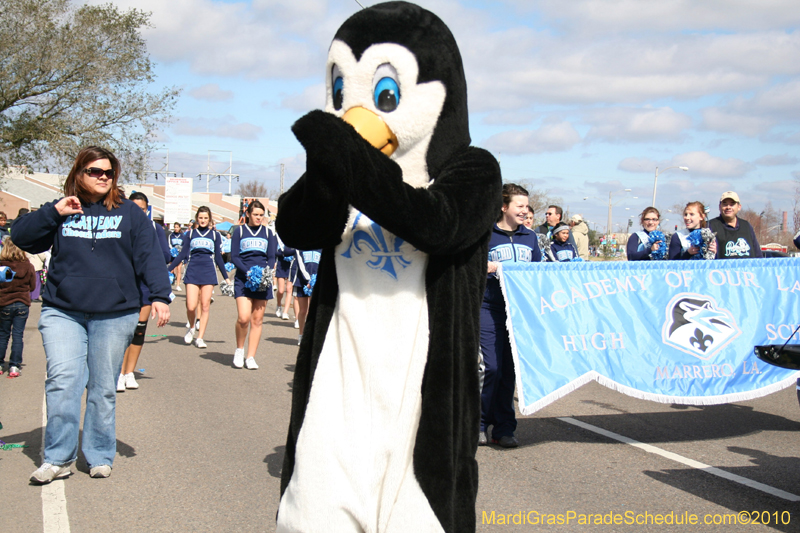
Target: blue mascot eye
{"x": 387, "y": 95}
{"x": 338, "y": 93}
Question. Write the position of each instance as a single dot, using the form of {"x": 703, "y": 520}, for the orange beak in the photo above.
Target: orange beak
{"x": 372, "y": 128}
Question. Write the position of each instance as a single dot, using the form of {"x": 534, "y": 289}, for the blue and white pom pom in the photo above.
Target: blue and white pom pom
{"x": 702, "y": 238}
{"x": 254, "y": 276}
{"x": 660, "y": 252}
{"x": 308, "y": 289}
{"x": 174, "y": 252}
{"x": 544, "y": 246}
{"x": 171, "y": 278}
{"x": 229, "y": 267}
{"x": 576, "y": 259}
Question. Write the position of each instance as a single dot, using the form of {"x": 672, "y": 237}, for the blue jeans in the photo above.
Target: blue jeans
{"x": 76, "y": 343}
{"x": 12, "y": 324}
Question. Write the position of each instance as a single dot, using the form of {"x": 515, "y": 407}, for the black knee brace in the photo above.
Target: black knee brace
{"x": 138, "y": 334}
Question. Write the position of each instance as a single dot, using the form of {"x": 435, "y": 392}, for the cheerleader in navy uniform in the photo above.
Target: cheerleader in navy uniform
{"x": 202, "y": 248}
{"x": 639, "y": 247}
{"x": 694, "y": 217}
{"x": 283, "y": 270}
{"x": 303, "y": 276}
{"x": 176, "y": 241}
{"x": 251, "y": 245}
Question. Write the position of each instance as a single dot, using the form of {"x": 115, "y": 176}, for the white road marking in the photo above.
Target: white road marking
{"x": 684, "y": 460}
{"x": 54, "y": 499}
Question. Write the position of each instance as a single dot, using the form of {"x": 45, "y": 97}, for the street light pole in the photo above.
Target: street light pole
{"x": 609, "y": 230}
{"x": 655, "y": 182}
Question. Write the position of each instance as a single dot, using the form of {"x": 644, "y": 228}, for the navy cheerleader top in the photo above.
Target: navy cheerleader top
{"x": 176, "y": 240}
{"x": 198, "y": 243}
{"x": 305, "y": 265}
{"x": 252, "y": 246}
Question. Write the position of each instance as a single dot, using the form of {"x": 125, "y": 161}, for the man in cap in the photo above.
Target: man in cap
{"x": 735, "y": 236}
{"x": 580, "y": 233}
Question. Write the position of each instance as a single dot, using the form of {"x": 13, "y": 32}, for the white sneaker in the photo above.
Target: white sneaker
{"x": 278, "y": 312}
{"x": 251, "y": 363}
{"x": 130, "y": 381}
{"x": 299, "y": 338}
{"x": 296, "y": 324}
{"x": 285, "y": 315}
{"x": 102, "y": 471}
{"x": 238, "y": 358}
{"x": 121, "y": 383}
{"x": 189, "y": 336}
{"x": 177, "y": 289}
{"x": 187, "y": 326}
{"x": 200, "y": 343}
{"x": 197, "y": 325}
{"x": 47, "y": 473}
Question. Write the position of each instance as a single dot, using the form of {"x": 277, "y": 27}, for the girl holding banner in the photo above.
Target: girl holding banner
{"x": 510, "y": 241}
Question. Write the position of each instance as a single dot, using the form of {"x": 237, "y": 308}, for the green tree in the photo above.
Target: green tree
{"x": 73, "y": 76}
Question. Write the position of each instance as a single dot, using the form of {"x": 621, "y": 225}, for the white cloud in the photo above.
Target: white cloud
{"x": 665, "y": 15}
{"x": 509, "y": 118}
{"x": 268, "y": 39}
{"x": 636, "y": 125}
{"x": 776, "y": 160}
{"x": 312, "y": 97}
{"x": 729, "y": 121}
{"x": 215, "y": 127}
{"x": 637, "y": 164}
{"x": 551, "y": 137}
{"x": 211, "y": 92}
{"x": 702, "y": 164}
{"x": 757, "y": 115}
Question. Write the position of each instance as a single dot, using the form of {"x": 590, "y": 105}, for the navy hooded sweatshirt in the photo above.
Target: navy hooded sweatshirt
{"x": 97, "y": 256}
{"x": 520, "y": 247}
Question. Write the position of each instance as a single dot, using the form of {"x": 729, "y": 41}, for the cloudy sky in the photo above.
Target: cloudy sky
{"x": 579, "y": 98}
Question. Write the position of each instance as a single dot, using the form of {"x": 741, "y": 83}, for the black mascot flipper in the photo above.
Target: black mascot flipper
{"x": 389, "y": 428}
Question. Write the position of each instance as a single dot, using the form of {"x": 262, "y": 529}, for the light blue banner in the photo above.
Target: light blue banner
{"x": 669, "y": 331}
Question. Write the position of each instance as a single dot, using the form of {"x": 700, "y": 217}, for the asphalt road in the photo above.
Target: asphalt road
{"x": 200, "y": 448}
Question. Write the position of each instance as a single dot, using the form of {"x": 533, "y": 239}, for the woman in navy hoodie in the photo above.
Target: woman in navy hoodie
{"x": 101, "y": 245}
{"x": 510, "y": 241}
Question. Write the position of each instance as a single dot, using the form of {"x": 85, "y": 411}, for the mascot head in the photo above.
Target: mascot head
{"x": 394, "y": 72}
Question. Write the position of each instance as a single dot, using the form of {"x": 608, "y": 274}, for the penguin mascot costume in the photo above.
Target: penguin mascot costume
{"x": 386, "y": 403}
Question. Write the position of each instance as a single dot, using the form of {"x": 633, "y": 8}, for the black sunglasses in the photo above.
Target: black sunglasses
{"x": 95, "y": 172}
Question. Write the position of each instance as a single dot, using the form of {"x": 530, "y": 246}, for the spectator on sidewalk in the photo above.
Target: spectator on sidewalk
{"x": 15, "y": 303}
{"x": 580, "y": 235}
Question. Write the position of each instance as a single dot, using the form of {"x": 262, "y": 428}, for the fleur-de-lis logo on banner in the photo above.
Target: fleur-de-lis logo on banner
{"x": 385, "y": 253}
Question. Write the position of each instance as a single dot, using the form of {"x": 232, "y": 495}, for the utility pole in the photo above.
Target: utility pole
{"x": 165, "y": 171}
{"x": 281, "y": 178}
{"x": 227, "y": 174}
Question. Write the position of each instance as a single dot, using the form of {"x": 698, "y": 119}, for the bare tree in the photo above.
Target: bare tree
{"x": 253, "y": 189}
{"x": 538, "y": 200}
